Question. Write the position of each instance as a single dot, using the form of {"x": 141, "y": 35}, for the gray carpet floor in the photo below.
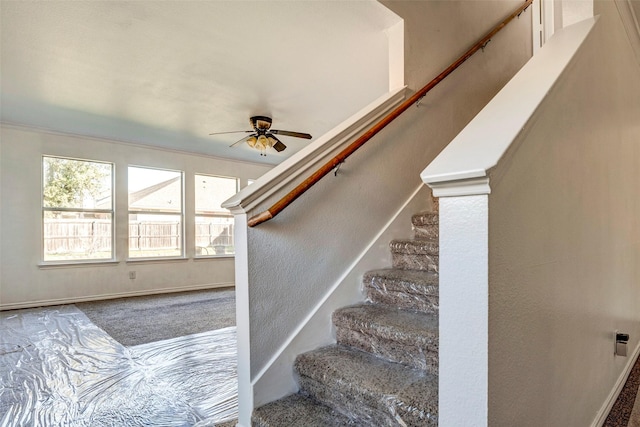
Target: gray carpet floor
{"x": 140, "y": 320}
{"x": 626, "y": 410}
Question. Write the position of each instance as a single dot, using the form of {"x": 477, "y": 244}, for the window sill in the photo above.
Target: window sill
{"x": 74, "y": 264}
{"x": 210, "y": 257}
{"x": 155, "y": 260}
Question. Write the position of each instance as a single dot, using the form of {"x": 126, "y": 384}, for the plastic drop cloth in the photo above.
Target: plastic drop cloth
{"x": 59, "y": 369}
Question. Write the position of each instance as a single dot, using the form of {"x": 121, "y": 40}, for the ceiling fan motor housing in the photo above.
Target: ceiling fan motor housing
{"x": 260, "y": 124}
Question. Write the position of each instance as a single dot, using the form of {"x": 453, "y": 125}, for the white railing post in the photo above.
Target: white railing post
{"x": 243, "y": 330}
{"x": 464, "y": 303}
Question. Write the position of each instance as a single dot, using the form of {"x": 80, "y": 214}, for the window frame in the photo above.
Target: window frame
{"x": 197, "y": 214}
{"x": 43, "y": 209}
{"x": 181, "y": 214}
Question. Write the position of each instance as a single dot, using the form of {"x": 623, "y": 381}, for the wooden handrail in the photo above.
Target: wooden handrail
{"x": 285, "y": 201}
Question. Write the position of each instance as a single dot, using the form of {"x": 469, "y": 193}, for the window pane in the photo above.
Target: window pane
{"x": 214, "y": 236}
{"x": 155, "y": 190}
{"x": 211, "y": 191}
{"x": 214, "y": 224}
{"x": 155, "y": 235}
{"x": 77, "y": 236}
{"x": 76, "y": 184}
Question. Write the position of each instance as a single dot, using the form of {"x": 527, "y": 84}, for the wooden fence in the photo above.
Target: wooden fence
{"x": 212, "y": 234}
{"x": 72, "y": 236}
{"x": 94, "y": 235}
{"x": 154, "y": 235}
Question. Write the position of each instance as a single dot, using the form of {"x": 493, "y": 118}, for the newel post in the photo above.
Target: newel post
{"x": 464, "y": 301}
{"x": 245, "y": 387}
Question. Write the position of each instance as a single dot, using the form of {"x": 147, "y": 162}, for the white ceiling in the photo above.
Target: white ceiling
{"x": 168, "y": 73}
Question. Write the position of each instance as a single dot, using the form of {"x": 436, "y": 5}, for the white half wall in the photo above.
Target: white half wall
{"x": 24, "y": 283}
{"x": 564, "y": 242}
{"x": 463, "y": 323}
{"x": 556, "y": 155}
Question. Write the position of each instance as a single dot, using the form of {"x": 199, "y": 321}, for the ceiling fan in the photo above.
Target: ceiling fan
{"x": 263, "y": 137}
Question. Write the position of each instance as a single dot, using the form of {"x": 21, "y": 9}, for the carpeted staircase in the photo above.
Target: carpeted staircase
{"x": 383, "y": 369}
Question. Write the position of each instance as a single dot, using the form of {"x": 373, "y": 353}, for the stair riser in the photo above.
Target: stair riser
{"x": 419, "y": 357}
{"x": 425, "y": 218}
{"x": 367, "y": 410}
{"x": 423, "y": 303}
{"x": 429, "y": 231}
{"x": 415, "y": 262}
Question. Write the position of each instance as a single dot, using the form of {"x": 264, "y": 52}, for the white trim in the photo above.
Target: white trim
{"x": 548, "y": 20}
{"x": 537, "y": 26}
{"x": 602, "y": 414}
{"x": 465, "y": 187}
{"x": 101, "y": 297}
{"x": 313, "y": 155}
{"x": 395, "y": 37}
{"x": 243, "y": 324}
{"x": 78, "y": 263}
{"x": 631, "y": 24}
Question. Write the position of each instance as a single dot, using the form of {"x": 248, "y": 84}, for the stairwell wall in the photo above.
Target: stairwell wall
{"x": 296, "y": 258}
{"x": 564, "y": 243}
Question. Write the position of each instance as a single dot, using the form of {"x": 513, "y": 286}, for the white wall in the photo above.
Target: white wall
{"x": 295, "y": 259}
{"x": 564, "y": 242}
{"x": 24, "y": 283}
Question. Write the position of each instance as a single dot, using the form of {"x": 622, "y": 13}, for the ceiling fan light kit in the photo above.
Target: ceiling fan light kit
{"x": 264, "y": 137}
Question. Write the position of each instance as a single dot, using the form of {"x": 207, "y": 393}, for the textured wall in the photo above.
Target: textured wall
{"x": 564, "y": 241}
{"x": 21, "y": 280}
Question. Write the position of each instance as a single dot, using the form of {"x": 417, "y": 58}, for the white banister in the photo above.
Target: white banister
{"x": 484, "y": 141}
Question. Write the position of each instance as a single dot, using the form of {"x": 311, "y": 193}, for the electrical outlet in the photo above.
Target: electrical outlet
{"x": 622, "y": 341}
{"x": 132, "y": 275}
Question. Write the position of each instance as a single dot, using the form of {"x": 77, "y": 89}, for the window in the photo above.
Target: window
{"x": 214, "y": 225}
{"x": 77, "y": 209}
{"x": 155, "y": 213}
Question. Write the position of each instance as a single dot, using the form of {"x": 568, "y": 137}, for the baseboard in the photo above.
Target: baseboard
{"x": 73, "y": 300}
{"x": 611, "y": 399}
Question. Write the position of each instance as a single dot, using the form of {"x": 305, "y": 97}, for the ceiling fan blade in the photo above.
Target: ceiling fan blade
{"x": 233, "y": 131}
{"x": 290, "y": 133}
{"x": 278, "y": 146}
{"x": 244, "y": 138}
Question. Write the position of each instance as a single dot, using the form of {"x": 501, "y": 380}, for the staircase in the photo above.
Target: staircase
{"x": 383, "y": 369}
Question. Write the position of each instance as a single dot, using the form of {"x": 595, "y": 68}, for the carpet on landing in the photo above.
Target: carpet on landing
{"x": 140, "y": 320}
{"x": 626, "y": 409}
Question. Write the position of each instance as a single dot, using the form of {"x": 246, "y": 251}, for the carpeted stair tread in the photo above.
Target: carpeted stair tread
{"x": 374, "y": 390}
{"x": 410, "y": 289}
{"x": 415, "y": 254}
{"x": 297, "y": 410}
{"x": 414, "y": 246}
{"x": 425, "y": 218}
{"x": 403, "y": 336}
